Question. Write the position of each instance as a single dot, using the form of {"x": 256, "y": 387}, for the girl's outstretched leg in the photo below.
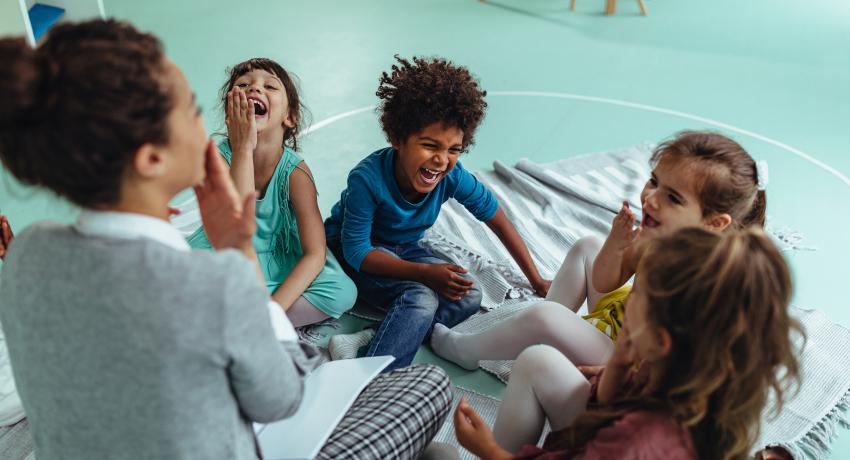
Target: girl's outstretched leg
{"x": 545, "y": 323}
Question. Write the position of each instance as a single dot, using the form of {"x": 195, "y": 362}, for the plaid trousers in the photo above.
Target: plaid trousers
{"x": 394, "y": 417}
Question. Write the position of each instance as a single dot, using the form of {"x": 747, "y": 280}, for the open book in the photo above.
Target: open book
{"x": 329, "y": 391}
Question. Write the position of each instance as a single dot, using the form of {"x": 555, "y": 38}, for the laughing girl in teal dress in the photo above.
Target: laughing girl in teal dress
{"x": 263, "y": 115}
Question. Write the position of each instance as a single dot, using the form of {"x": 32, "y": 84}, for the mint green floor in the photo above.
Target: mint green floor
{"x": 780, "y": 70}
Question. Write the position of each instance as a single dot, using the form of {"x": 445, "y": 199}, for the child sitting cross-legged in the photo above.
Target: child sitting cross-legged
{"x": 430, "y": 111}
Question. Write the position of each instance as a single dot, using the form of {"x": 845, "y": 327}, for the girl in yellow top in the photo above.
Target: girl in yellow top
{"x": 699, "y": 179}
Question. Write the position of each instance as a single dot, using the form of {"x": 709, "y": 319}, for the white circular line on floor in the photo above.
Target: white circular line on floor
{"x": 633, "y": 105}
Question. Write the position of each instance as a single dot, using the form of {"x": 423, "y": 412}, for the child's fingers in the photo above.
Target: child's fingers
{"x": 627, "y": 211}
{"x": 237, "y": 105}
{"x": 636, "y": 232}
{"x": 460, "y": 419}
{"x": 470, "y": 413}
{"x": 233, "y": 106}
{"x": 457, "y": 268}
{"x": 243, "y": 104}
{"x": 589, "y": 371}
{"x": 460, "y": 280}
{"x": 463, "y": 408}
{"x": 455, "y": 294}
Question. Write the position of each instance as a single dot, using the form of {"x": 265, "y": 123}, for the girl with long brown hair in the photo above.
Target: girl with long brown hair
{"x": 706, "y": 339}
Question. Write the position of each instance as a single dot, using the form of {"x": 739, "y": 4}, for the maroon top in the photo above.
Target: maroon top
{"x": 639, "y": 435}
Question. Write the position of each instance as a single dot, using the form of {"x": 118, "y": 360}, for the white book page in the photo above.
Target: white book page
{"x": 329, "y": 391}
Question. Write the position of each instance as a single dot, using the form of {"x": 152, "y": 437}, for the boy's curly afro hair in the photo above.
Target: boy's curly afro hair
{"x": 427, "y": 91}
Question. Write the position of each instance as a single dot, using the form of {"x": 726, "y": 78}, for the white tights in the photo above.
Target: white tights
{"x": 544, "y": 385}
{"x": 548, "y": 340}
{"x": 302, "y": 313}
{"x": 547, "y": 322}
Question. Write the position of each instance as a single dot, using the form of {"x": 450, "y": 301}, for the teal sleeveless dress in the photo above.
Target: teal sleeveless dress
{"x": 278, "y": 245}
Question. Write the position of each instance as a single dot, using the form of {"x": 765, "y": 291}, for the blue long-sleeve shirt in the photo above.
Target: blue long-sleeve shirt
{"x": 373, "y": 208}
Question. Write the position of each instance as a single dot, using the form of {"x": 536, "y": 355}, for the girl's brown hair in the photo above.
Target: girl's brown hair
{"x": 724, "y": 300}
{"x": 77, "y": 108}
{"x": 297, "y": 110}
{"x": 727, "y": 175}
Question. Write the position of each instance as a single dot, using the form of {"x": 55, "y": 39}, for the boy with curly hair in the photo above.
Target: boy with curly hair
{"x": 430, "y": 109}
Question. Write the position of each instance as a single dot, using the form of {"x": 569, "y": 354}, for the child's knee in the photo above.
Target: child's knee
{"x": 537, "y": 359}
{"x": 545, "y": 319}
{"x": 471, "y": 302}
{"x": 543, "y": 363}
{"x": 588, "y": 245}
{"x": 346, "y": 293}
{"x": 419, "y": 297}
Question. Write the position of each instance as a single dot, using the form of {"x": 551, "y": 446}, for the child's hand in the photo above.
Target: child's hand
{"x": 623, "y": 231}
{"x": 229, "y": 220}
{"x": 240, "y": 121}
{"x": 474, "y": 434}
{"x": 446, "y": 280}
{"x": 541, "y": 287}
{"x": 6, "y": 236}
{"x": 590, "y": 372}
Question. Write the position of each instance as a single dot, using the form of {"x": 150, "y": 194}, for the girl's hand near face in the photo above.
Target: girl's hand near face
{"x": 6, "y": 236}
{"x": 623, "y": 231}
{"x": 241, "y": 124}
{"x": 615, "y": 263}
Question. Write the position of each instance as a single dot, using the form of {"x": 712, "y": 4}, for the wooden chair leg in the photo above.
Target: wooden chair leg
{"x": 572, "y": 5}
{"x": 642, "y": 7}
{"x": 610, "y": 7}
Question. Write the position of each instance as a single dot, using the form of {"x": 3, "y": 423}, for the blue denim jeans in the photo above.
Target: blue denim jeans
{"x": 411, "y": 307}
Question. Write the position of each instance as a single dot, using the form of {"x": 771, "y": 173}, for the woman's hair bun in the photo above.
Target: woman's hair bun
{"x": 21, "y": 76}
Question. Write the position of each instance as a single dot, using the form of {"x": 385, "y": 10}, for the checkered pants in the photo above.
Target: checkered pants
{"x": 395, "y": 417}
